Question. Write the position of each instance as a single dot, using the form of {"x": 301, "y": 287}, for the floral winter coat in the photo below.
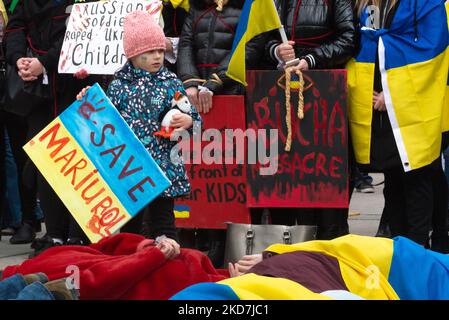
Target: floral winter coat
{"x": 142, "y": 99}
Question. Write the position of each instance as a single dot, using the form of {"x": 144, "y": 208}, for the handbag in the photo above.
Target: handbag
{"x": 22, "y": 97}
{"x": 246, "y": 239}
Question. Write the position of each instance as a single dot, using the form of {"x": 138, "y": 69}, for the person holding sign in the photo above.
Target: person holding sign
{"x": 34, "y": 37}
{"x": 142, "y": 91}
{"x": 321, "y": 34}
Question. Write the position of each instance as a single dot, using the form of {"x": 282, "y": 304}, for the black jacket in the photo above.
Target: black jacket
{"x": 206, "y": 43}
{"x": 323, "y": 30}
{"x": 43, "y": 22}
{"x": 173, "y": 22}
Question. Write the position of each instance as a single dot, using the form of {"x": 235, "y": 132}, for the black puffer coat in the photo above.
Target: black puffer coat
{"x": 206, "y": 43}
{"x": 323, "y": 30}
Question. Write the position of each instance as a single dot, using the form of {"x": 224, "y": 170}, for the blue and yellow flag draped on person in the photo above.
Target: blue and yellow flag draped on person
{"x": 257, "y": 17}
{"x": 414, "y": 60}
{"x": 372, "y": 268}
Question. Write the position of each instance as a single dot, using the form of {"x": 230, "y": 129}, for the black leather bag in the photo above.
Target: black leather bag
{"x": 22, "y": 97}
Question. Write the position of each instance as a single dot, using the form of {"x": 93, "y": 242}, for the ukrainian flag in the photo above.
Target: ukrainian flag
{"x": 414, "y": 61}
{"x": 257, "y": 17}
{"x": 371, "y": 268}
{"x": 445, "y": 117}
{"x": 180, "y": 3}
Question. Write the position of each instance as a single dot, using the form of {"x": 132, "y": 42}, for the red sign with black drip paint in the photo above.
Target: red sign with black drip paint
{"x": 314, "y": 173}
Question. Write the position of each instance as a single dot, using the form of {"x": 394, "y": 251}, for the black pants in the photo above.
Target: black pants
{"x": 17, "y": 128}
{"x": 440, "y": 228}
{"x": 59, "y": 222}
{"x": 158, "y": 217}
{"x": 413, "y": 200}
{"x": 2, "y": 168}
{"x": 331, "y": 223}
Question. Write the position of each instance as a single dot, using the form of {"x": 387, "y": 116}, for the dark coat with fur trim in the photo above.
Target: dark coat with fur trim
{"x": 206, "y": 43}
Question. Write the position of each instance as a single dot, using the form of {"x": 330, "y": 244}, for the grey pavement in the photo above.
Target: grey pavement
{"x": 365, "y": 211}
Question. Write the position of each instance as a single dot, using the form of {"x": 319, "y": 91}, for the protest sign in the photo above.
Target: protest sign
{"x": 97, "y": 166}
{"x": 93, "y": 40}
{"x": 218, "y": 187}
{"x": 314, "y": 173}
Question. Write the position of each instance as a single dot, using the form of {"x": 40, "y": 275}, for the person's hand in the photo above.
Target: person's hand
{"x": 169, "y": 247}
{"x": 35, "y": 67}
{"x": 379, "y": 102}
{"x": 192, "y": 93}
{"x": 247, "y": 262}
{"x": 285, "y": 51}
{"x": 23, "y": 63}
{"x": 205, "y": 101}
{"x": 234, "y": 270}
{"x": 181, "y": 121}
{"x": 168, "y": 46}
{"x": 23, "y": 67}
{"x": 81, "y": 74}
{"x": 302, "y": 66}
{"x": 26, "y": 75}
{"x": 82, "y": 93}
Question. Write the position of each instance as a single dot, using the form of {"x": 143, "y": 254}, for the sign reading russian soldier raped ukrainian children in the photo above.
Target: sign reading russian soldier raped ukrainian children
{"x": 314, "y": 173}
{"x": 94, "y": 37}
{"x": 96, "y": 165}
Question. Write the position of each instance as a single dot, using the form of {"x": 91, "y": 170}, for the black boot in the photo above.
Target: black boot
{"x": 25, "y": 234}
{"x": 440, "y": 244}
{"x": 41, "y": 244}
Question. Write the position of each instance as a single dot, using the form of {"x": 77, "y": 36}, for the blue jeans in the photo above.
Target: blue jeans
{"x": 15, "y": 288}
{"x": 13, "y": 217}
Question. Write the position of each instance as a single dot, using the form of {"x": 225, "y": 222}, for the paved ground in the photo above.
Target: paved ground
{"x": 365, "y": 211}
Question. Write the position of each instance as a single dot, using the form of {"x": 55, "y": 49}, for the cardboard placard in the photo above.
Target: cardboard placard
{"x": 314, "y": 173}
{"x": 218, "y": 189}
{"x": 93, "y": 40}
{"x": 97, "y": 166}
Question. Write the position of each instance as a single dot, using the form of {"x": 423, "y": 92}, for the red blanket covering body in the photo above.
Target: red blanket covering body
{"x": 113, "y": 269}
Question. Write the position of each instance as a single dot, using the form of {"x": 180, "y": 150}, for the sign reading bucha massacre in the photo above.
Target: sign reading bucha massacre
{"x": 96, "y": 165}
{"x": 314, "y": 173}
{"x": 94, "y": 37}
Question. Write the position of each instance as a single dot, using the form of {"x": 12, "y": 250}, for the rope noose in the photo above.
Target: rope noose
{"x": 288, "y": 116}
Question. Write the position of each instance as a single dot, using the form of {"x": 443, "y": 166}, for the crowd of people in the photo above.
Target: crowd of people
{"x": 190, "y": 55}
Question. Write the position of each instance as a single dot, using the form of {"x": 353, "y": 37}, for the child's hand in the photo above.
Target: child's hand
{"x": 80, "y": 95}
{"x": 81, "y": 74}
{"x": 181, "y": 121}
{"x": 169, "y": 247}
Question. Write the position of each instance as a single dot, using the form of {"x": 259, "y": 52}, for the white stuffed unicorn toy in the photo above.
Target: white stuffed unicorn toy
{"x": 179, "y": 104}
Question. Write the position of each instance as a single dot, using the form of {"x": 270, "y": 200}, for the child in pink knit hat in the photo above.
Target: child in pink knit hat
{"x": 143, "y": 91}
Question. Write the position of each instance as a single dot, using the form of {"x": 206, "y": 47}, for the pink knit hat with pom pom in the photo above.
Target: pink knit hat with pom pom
{"x": 142, "y": 34}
